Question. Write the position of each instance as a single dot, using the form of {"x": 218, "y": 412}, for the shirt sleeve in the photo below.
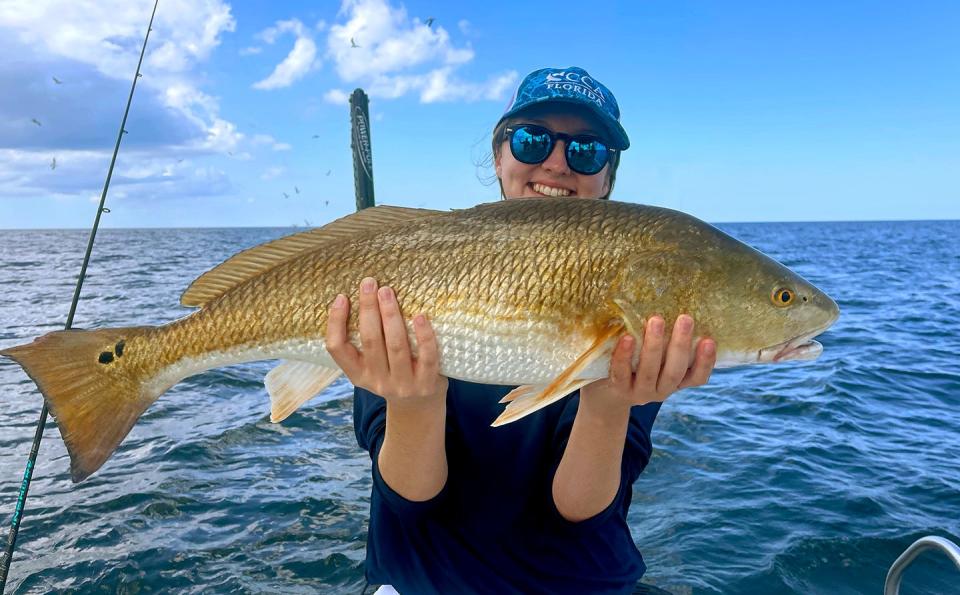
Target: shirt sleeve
{"x": 369, "y": 424}
{"x": 636, "y": 455}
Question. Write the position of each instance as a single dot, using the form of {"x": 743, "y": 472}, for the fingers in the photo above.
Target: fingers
{"x": 651, "y": 356}
{"x": 678, "y": 355}
{"x": 427, "y": 364}
{"x": 337, "y": 341}
{"x": 664, "y": 367}
{"x": 621, "y": 371}
{"x": 395, "y": 337}
{"x": 371, "y": 331}
{"x": 706, "y": 359}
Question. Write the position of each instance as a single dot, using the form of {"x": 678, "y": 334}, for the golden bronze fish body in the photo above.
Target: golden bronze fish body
{"x": 532, "y": 292}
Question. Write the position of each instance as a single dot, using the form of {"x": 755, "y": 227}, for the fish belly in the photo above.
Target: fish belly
{"x": 481, "y": 350}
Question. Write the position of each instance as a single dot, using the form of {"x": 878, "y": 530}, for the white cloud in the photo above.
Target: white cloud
{"x": 300, "y": 61}
{"x": 108, "y": 34}
{"x": 388, "y": 41}
{"x": 440, "y": 87}
{"x": 465, "y": 27}
{"x": 202, "y": 109}
{"x": 262, "y": 139}
{"x": 93, "y": 46}
{"x": 337, "y": 96}
{"x": 272, "y": 172}
{"x": 391, "y": 55}
{"x": 270, "y": 34}
{"x": 79, "y": 175}
{"x": 266, "y": 139}
{"x": 250, "y": 51}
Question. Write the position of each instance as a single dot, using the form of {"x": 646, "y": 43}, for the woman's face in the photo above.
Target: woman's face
{"x": 553, "y": 177}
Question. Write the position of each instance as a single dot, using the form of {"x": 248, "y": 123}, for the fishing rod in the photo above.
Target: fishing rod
{"x": 38, "y": 436}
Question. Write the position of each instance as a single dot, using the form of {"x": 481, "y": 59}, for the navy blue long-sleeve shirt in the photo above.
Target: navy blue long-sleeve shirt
{"x": 494, "y": 528}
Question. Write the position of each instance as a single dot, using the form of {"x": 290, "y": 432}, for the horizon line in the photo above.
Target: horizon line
{"x": 807, "y": 221}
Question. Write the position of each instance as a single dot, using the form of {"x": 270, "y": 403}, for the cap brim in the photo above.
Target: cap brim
{"x": 617, "y": 135}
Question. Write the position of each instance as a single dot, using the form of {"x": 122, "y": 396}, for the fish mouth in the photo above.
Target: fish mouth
{"x": 802, "y": 348}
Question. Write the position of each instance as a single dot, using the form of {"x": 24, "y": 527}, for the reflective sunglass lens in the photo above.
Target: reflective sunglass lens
{"x": 587, "y": 157}
{"x": 530, "y": 145}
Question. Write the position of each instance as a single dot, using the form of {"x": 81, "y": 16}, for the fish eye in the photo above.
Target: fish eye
{"x": 783, "y": 297}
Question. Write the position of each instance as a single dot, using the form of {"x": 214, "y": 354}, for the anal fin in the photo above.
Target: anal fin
{"x": 524, "y": 400}
{"x": 293, "y": 383}
{"x": 527, "y": 402}
{"x": 523, "y": 391}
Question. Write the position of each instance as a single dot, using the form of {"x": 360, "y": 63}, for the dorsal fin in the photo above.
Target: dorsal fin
{"x": 259, "y": 259}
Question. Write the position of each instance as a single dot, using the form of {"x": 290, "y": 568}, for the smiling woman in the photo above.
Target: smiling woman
{"x": 559, "y": 106}
{"x": 535, "y": 507}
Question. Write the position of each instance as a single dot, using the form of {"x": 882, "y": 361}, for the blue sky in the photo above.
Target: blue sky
{"x": 737, "y": 111}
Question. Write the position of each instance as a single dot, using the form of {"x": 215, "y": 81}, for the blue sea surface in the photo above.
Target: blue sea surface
{"x": 799, "y": 478}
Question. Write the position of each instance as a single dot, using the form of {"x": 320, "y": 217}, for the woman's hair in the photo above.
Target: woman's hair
{"x": 499, "y": 135}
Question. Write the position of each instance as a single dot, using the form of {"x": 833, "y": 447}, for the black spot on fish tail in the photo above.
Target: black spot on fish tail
{"x": 105, "y": 357}
{"x": 119, "y": 348}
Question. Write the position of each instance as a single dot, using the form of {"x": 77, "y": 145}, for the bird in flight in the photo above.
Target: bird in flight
{"x": 328, "y": 171}
{"x": 285, "y": 195}
{"x": 297, "y": 190}
{"x": 353, "y": 44}
{"x": 316, "y": 136}
{"x": 36, "y": 121}
{"x": 429, "y": 22}
{"x": 53, "y": 163}
{"x": 56, "y": 80}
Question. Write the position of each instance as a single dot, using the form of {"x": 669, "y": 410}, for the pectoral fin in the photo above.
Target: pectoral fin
{"x": 293, "y": 383}
{"x": 524, "y": 400}
{"x": 634, "y": 324}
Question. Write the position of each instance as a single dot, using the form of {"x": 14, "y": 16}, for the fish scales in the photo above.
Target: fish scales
{"x": 531, "y": 292}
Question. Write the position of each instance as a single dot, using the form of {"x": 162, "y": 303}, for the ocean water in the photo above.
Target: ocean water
{"x": 800, "y": 478}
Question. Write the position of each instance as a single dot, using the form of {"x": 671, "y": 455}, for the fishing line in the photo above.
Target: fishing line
{"x": 32, "y": 459}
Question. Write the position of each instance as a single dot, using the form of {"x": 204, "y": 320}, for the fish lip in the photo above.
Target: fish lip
{"x": 781, "y": 350}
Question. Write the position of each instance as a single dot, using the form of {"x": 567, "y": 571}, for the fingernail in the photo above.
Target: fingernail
{"x": 385, "y": 294}
{"x": 684, "y": 323}
{"x": 368, "y": 285}
{"x": 656, "y": 326}
{"x": 628, "y": 342}
{"x": 420, "y": 320}
{"x": 710, "y": 348}
{"x": 340, "y": 301}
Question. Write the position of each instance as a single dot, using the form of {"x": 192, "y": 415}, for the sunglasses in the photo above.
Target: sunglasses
{"x": 532, "y": 144}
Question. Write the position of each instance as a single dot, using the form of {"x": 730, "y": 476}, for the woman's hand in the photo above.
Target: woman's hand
{"x": 663, "y": 368}
{"x": 413, "y": 458}
{"x": 588, "y": 477}
{"x": 386, "y": 366}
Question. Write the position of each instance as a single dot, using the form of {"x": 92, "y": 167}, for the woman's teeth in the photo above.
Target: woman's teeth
{"x": 549, "y": 191}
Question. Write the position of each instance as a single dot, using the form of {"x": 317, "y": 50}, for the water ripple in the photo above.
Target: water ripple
{"x": 807, "y": 478}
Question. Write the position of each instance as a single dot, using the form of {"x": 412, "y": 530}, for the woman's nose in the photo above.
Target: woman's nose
{"x": 556, "y": 161}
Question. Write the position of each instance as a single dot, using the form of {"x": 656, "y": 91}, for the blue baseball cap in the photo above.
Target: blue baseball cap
{"x": 576, "y": 86}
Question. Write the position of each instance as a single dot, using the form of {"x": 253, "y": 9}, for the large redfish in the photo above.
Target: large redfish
{"x": 531, "y": 292}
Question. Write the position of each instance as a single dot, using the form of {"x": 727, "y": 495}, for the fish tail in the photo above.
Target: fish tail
{"x": 94, "y": 392}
